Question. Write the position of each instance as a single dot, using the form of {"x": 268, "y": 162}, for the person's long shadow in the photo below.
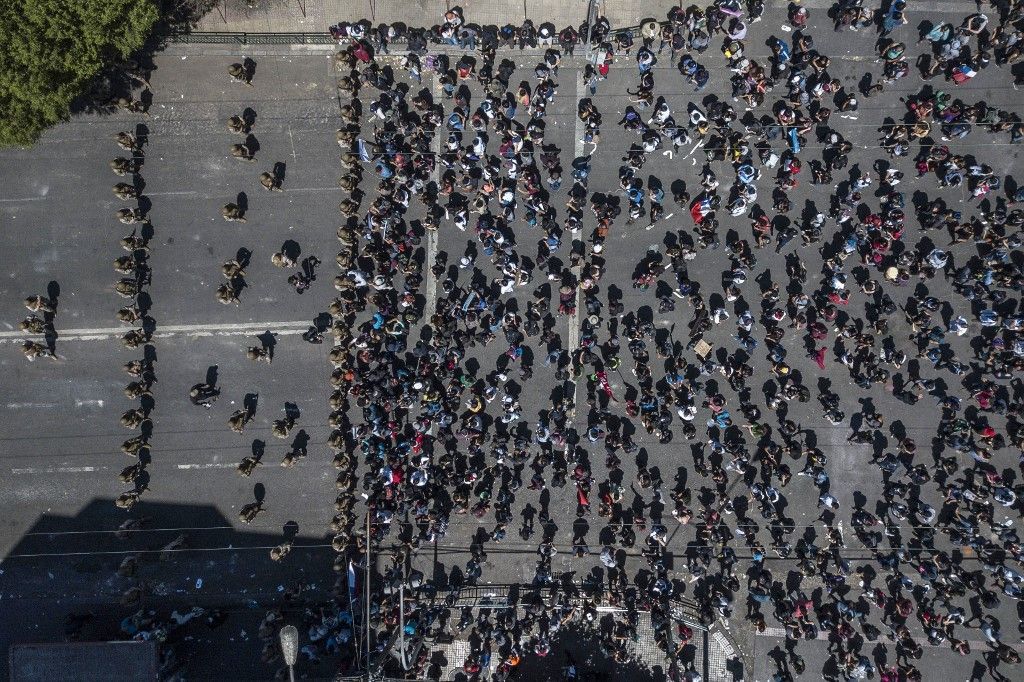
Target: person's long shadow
{"x": 249, "y": 403}
{"x": 211, "y": 376}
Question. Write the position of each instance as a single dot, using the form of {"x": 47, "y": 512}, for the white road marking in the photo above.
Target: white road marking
{"x": 56, "y": 470}
{"x": 182, "y": 193}
{"x": 780, "y": 633}
{"x": 431, "y": 290}
{"x": 574, "y": 319}
{"x": 291, "y": 138}
{"x": 948, "y": 6}
{"x": 120, "y": 552}
{"x": 89, "y": 469}
{"x": 23, "y": 406}
{"x": 88, "y": 403}
{"x": 168, "y": 330}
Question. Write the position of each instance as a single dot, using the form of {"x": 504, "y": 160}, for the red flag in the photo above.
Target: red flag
{"x": 696, "y": 213}
{"x": 602, "y": 379}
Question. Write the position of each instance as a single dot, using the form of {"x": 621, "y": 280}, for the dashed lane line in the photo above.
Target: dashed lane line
{"x": 179, "y": 193}
{"x": 932, "y": 7}
{"x": 823, "y": 635}
{"x": 36, "y": 471}
{"x": 431, "y": 290}
{"x": 167, "y": 331}
{"x": 574, "y": 319}
{"x": 55, "y": 470}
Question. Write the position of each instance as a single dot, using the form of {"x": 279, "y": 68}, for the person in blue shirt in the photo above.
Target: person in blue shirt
{"x": 894, "y": 18}
{"x": 780, "y": 50}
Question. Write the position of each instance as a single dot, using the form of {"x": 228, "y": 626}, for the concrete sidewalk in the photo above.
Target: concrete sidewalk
{"x": 314, "y": 16}
{"x": 286, "y": 16}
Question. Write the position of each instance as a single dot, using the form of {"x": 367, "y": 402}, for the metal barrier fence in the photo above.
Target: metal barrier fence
{"x": 503, "y": 595}
{"x": 242, "y": 38}
{"x": 234, "y": 38}
{"x": 512, "y": 595}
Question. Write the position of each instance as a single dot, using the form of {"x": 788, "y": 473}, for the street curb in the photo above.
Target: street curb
{"x": 174, "y": 47}
{"x": 720, "y": 639}
{"x": 393, "y": 57}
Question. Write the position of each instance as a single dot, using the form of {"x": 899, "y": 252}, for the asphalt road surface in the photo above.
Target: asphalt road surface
{"x": 60, "y": 434}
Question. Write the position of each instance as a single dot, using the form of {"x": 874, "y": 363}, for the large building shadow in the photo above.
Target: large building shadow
{"x": 60, "y": 582}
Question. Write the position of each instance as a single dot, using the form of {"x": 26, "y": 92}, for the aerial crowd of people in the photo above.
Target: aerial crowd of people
{"x": 427, "y": 435}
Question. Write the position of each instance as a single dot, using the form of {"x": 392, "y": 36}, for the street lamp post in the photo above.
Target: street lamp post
{"x": 290, "y": 648}
{"x": 591, "y": 6}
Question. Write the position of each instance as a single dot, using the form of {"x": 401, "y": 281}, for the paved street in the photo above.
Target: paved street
{"x": 62, "y": 430}
{"x": 61, "y": 436}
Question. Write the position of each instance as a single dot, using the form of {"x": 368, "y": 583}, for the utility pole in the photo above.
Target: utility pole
{"x": 366, "y": 615}
{"x": 591, "y": 7}
{"x": 401, "y": 625}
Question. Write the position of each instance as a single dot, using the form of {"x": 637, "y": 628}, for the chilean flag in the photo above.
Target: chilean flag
{"x": 699, "y": 209}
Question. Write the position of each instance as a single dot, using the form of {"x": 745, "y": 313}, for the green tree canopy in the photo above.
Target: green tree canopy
{"x": 51, "y": 49}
